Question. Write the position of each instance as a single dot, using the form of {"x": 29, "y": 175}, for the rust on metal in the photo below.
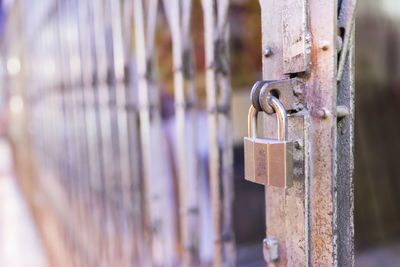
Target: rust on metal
{"x": 296, "y": 39}
{"x": 320, "y": 230}
{"x": 285, "y": 208}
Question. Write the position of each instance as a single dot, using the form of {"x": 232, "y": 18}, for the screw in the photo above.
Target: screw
{"x": 325, "y": 45}
{"x": 267, "y": 51}
{"x": 342, "y": 111}
{"x": 323, "y": 113}
{"x": 297, "y": 145}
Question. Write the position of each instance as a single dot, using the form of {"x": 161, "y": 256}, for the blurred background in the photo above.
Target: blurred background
{"x": 79, "y": 171}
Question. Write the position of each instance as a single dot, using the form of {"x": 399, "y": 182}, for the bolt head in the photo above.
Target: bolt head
{"x": 323, "y": 113}
{"x": 267, "y": 51}
{"x": 325, "y": 45}
{"x": 297, "y": 145}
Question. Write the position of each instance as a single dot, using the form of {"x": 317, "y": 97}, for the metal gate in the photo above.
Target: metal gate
{"x": 95, "y": 136}
{"x": 94, "y": 161}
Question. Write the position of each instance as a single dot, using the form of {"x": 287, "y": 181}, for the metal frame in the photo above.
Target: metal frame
{"x": 313, "y": 222}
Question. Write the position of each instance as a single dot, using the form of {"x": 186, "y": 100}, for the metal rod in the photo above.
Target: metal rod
{"x": 186, "y": 177}
{"x": 214, "y": 159}
{"x": 144, "y": 48}
{"x": 226, "y": 137}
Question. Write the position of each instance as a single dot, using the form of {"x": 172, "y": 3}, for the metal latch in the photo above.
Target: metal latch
{"x": 288, "y": 91}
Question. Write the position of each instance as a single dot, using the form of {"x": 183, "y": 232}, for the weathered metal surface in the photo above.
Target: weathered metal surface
{"x": 271, "y": 20}
{"x": 320, "y": 93}
{"x": 323, "y": 209}
{"x": 289, "y": 91}
{"x": 345, "y": 163}
{"x": 286, "y": 208}
{"x": 346, "y": 18}
{"x": 296, "y": 39}
{"x": 289, "y": 47}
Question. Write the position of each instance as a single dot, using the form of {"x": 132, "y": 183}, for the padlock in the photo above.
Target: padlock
{"x": 269, "y": 161}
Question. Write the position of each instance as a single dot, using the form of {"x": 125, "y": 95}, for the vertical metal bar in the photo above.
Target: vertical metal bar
{"x": 98, "y": 124}
{"x": 66, "y": 115}
{"x": 114, "y": 179}
{"x": 321, "y": 91}
{"x": 191, "y": 110}
{"x": 121, "y": 103}
{"x": 211, "y": 89}
{"x": 114, "y": 184}
{"x": 91, "y": 133}
{"x": 51, "y": 170}
{"x": 76, "y": 220}
{"x": 106, "y": 126}
{"x": 144, "y": 114}
{"x": 151, "y": 133}
{"x": 94, "y": 128}
{"x": 159, "y": 204}
{"x": 174, "y": 20}
{"x": 192, "y": 142}
{"x": 219, "y": 125}
{"x": 133, "y": 192}
{"x": 226, "y": 137}
{"x": 179, "y": 22}
{"x": 80, "y": 160}
{"x": 83, "y": 150}
{"x": 344, "y": 209}
{"x": 286, "y": 209}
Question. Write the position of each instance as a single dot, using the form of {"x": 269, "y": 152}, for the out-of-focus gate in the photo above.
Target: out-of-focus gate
{"x": 93, "y": 157}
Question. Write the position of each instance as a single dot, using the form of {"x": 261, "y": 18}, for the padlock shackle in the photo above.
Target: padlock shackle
{"x": 252, "y": 122}
{"x": 281, "y": 118}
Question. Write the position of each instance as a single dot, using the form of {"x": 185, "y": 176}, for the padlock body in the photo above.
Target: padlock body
{"x": 280, "y": 164}
{"x": 255, "y": 160}
{"x": 268, "y": 162}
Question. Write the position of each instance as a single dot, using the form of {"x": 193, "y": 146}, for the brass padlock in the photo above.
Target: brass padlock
{"x": 269, "y": 161}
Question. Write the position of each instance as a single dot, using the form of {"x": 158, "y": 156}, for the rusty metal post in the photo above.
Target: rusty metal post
{"x": 312, "y": 222}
